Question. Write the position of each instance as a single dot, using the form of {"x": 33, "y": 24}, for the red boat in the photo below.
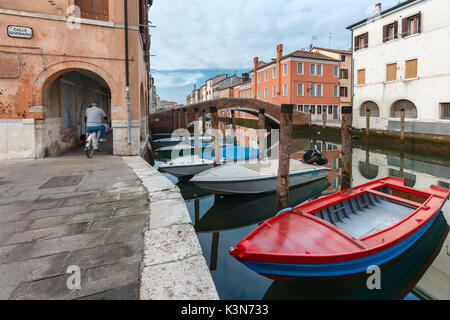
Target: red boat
{"x": 343, "y": 233}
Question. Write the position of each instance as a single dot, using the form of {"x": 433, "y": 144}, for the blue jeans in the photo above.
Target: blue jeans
{"x": 101, "y": 128}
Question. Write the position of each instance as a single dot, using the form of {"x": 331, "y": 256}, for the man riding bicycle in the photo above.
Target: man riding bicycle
{"x": 95, "y": 118}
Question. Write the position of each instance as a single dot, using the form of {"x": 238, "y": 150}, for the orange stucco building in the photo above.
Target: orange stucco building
{"x": 56, "y": 57}
{"x": 309, "y": 80}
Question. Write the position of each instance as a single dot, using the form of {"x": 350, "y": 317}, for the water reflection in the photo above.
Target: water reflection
{"x": 221, "y": 222}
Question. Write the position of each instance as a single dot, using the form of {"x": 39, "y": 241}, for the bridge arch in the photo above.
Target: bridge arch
{"x": 163, "y": 120}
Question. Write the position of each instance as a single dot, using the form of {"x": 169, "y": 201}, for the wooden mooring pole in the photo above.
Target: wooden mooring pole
{"x": 346, "y": 148}
{"x": 204, "y": 121}
{"x": 284, "y": 156}
{"x": 262, "y": 134}
{"x": 402, "y": 126}
{"x": 196, "y": 132}
{"x": 324, "y": 117}
{"x": 367, "y": 122}
{"x": 185, "y": 118}
{"x": 215, "y": 134}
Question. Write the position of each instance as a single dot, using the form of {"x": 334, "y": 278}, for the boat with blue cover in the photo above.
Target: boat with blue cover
{"x": 189, "y": 166}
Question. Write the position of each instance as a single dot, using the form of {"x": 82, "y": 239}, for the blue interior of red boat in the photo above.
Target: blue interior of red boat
{"x": 366, "y": 214}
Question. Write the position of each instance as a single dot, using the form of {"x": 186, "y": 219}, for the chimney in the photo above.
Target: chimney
{"x": 378, "y": 9}
{"x": 195, "y": 87}
{"x": 279, "y": 51}
{"x": 255, "y": 62}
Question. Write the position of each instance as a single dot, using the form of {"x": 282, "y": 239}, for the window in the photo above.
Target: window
{"x": 408, "y": 106}
{"x": 306, "y": 108}
{"x": 312, "y": 92}
{"x": 285, "y": 69}
{"x": 411, "y": 69}
{"x": 361, "y": 76}
{"x": 94, "y": 9}
{"x": 274, "y": 91}
{"x": 343, "y": 92}
{"x": 319, "y": 70}
{"x": 336, "y": 71}
{"x": 266, "y": 75}
{"x": 274, "y": 73}
{"x": 391, "y": 72}
{"x": 259, "y": 77}
{"x": 300, "y": 91}
{"x": 343, "y": 58}
{"x": 265, "y": 93}
{"x": 300, "y": 68}
{"x": 344, "y": 73}
{"x": 445, "y": 111}
{"x": 390, "y": 31}
{"x": 330, "y": 110}
{"x": 313, "y": 109}
{"x": 411, "y": 25}
{"x": 319, "y": 90}
{"x": 319, "y": 109}
{"x": 300, "y": 108}
{"x": 362, "y": 41}
{"x": 285, "y": 90}
{"x": 312, "y": 69}
{"x": 335, "y": 91}
{"x": 258, "y": 94}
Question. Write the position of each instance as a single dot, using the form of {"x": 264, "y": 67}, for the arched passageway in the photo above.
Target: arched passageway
{"x": 65, "y": 99}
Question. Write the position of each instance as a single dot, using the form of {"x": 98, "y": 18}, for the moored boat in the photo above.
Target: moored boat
{"x": 256, "y": 177}
{"x": 343, "y": 233}
{"x": 189, "y": 166}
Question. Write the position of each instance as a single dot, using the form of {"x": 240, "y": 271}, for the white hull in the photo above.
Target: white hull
{"x": 239, "y": 179}
{"x": 187, "y": 166}
{"x": 259, "y": 185}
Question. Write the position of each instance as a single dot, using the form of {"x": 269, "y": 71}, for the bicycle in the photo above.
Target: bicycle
{"x": 93, "y": 143}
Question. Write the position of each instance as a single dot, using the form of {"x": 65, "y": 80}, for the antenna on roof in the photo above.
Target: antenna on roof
{"x": 330, "y": 36}
{"x": 313, "y": 38}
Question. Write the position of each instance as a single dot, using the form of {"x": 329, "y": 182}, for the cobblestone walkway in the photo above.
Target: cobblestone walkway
{"x": 93, "y": 215}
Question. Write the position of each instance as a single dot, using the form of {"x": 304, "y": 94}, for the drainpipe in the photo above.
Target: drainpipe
{"x": 127, "y": 74}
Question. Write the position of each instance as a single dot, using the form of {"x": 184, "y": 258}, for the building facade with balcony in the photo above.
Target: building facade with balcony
{"x": 401, "y": 63}
{"x": 56, "y": 58}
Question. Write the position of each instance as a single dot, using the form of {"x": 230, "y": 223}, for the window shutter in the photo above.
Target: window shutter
{"x": 396, "y": 30}
{"x": 404, "y": 27}
{"x": 356, "y": 43}
{"x": 385, "y": 33}
{"x": 419, "y": 22}
{"x": 366, "y": 40}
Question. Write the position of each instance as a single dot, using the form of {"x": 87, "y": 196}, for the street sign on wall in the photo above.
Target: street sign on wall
{"x": 20, "y": 32}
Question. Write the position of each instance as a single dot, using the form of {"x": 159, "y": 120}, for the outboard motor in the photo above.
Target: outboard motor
{"x": 314, "y": 157}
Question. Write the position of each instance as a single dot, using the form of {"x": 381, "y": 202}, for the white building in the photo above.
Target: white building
{"x": 402, "y": 61}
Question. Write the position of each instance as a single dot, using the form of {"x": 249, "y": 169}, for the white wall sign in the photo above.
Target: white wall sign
{"x": 20, "y": 32}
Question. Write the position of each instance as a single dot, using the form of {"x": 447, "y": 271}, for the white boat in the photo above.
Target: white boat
{"x": 189, "y": 166}
{"x": 173, "y": 141}
{"x": 257, "y": 177}
{"x": 186, "y": 166}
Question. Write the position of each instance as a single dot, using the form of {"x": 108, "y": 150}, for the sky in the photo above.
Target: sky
{"x": 195, "y": 40}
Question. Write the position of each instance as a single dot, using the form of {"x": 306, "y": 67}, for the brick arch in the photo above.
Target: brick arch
{"x": 163, "y": 120}
{"x": 52, "y": 72}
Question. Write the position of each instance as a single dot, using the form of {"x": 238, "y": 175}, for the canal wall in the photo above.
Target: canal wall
{"x": 433, "y": 146}
{"x": 173, "y": 266}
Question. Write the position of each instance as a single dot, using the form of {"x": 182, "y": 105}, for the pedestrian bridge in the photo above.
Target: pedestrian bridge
{"x": 168, "y": 120}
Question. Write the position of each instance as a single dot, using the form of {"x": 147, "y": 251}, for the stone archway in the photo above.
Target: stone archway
{"x": 406, "y": 105}
{"x": 62, "y": 93}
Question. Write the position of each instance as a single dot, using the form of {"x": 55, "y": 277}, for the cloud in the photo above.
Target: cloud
{"x": 174, "y": 79}
{"x": 216, "y": 34}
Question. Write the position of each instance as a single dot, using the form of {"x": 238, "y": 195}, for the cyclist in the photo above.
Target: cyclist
{"x": 95, "y": 119}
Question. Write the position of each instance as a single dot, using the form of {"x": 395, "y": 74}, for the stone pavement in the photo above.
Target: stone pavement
{"x": 93, "y": 215}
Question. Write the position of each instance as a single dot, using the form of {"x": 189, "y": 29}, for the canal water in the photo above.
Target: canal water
{"x": 222, "y": 221}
